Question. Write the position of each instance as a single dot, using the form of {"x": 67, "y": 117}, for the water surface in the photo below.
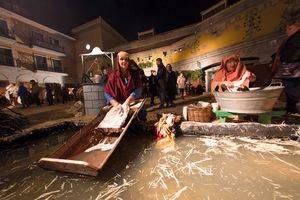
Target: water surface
{"x": 194, "y": 168}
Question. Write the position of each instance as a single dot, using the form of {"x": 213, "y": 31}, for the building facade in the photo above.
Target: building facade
{"x": 29, "y": 50}
{"x": 249, "y": 28}
{"x": 95, "y": 33}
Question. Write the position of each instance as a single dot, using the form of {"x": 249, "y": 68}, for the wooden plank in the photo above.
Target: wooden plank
{"x": 95, "y": 158}
{"x": 71, "y": 156}
{"x": 66, "y": 165}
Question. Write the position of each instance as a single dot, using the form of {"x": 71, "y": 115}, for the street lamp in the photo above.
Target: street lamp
{"x": 87, "y": 46}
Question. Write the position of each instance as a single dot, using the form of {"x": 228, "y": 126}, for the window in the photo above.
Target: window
{"x": 40, "y": 62}
{"x": 57, "y": 65}
{"x": 3, "y": 28}
{"x": 4, "y": 83}
{"x": 53, "y": 41}
{"x": 6, "y": 57}
{"x": 37, "y": 36}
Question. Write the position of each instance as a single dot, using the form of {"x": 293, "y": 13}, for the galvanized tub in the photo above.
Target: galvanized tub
{"x": 249, "y": 102}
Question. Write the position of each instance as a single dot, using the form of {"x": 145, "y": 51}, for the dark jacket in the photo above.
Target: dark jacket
{"x": 290, "y": 51}
{"x": 287, "y": 61}
{"x": 152, "y": 81}
{"x": 171, "y": 82}
{"x": 22, "y": 91}
{"x": 161, "y": 77}
{"x": 103, "y": 80}
{"x": 49, "y": 91}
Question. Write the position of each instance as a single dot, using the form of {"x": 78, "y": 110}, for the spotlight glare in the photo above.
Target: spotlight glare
{"x": 87, "y": 46}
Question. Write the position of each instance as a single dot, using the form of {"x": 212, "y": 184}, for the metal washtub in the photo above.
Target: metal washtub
{"x": 249, "y": 102}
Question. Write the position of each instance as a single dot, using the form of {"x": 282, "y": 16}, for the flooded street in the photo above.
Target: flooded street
{"x": 194, "y": 168}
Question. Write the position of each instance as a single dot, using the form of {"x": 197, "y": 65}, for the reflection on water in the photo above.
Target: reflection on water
{"x": 195, "y": 168}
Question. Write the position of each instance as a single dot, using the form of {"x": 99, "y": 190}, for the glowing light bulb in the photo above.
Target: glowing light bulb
{"x": 87, "y": 46}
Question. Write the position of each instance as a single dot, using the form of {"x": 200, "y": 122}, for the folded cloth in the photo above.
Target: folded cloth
{"x": 115, "y": 118}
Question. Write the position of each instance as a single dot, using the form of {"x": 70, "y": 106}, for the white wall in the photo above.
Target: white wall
{"x": 15, "y": 74}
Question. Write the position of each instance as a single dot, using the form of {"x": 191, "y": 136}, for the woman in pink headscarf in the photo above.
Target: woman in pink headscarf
{"x": 232, "y": 75}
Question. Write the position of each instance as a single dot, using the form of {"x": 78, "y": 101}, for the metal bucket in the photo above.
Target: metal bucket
{"x": 250, "y": 102}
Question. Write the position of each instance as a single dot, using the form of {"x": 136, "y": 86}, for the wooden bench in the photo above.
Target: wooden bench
{"x": 264, "y": 118}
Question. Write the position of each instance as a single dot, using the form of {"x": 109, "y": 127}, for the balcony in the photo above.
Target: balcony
{"x": 47, "y": 47}
{"x": 7, "y": 37}
{"x": 32, "y": 67}
{"x": 7, "y": 34}
{"x": 26, "y": 64}
{"x": 58, "y": 69}
{"x": 55, "y": 69}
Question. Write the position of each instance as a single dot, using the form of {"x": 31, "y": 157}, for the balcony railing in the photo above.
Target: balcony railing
{"x": 58, "y": 69}
{"x": 55, "y": 69}
{"x": 47, "y": 45}
{"x": 31, "y": 66}
{"x": 42, "y": 67}
{"x": 26, "y": 65}
{"x": 7, "y": 34}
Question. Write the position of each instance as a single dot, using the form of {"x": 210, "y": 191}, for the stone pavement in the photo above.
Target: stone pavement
{"x": 48, "y": 117}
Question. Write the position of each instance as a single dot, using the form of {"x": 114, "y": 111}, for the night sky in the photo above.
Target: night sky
{"x": 127, "y": 16}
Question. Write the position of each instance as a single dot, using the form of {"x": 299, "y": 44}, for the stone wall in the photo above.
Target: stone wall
{"x": 93, "y": 98}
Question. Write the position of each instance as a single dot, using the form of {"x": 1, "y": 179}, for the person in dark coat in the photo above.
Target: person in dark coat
{"x": 152, "y": 87}
{"x": 161, "y": 81}
{"x": 142, "y": 77}
{"x": 35, "y": 92}
{"x": 287, "y": 66}
{"x": 104, "y": 78}
{"x": 49, "y": 94}
{"x": 171, "y": 86}
{"x": 65, "y": 95}
{"x": 57, "y": 93}
{"x": 24, "y": 94}
{"x": 145, "y": 92}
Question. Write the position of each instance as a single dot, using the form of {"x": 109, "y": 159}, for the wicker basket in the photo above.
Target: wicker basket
{"x": 199, "y": 113}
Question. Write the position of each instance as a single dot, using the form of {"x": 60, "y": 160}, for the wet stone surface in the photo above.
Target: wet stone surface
{"x": 194, "y": 168}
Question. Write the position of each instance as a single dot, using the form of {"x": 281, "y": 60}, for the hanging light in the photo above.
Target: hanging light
{"x": 87, "y": 46}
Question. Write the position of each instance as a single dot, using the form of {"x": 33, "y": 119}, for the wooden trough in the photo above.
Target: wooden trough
{"x": 72, "y": 156}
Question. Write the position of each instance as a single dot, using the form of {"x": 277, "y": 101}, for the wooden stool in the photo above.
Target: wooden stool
{"x": 263, "y": 118}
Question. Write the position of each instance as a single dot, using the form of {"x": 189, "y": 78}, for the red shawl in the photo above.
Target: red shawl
{"x": 116, "y": 86}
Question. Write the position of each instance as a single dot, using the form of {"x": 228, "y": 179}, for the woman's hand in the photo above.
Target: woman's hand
{"x": 129, "y": 100}
{"x": 114, "y": 103}
{"x": 250, "y": 76}
{"x": 229, "y": 84}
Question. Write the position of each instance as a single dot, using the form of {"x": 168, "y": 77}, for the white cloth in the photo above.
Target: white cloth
{"x": 239, "y": 83}
{"x": 115, "y": 118}
{"x": 102, "y": 146}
